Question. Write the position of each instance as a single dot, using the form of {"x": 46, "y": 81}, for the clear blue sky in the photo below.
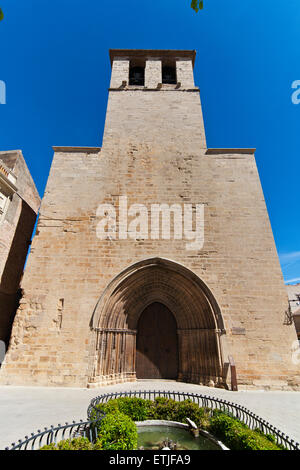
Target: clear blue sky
{"x": 54, "y": 61}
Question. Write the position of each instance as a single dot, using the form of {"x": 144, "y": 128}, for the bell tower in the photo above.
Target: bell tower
{"x": 153, "y": 99}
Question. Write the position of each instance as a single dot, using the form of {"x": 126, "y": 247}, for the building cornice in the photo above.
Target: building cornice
{"x": 216, "y": 151}
{"x": 127, "y": 54}
{"x": 77, "y": 149}
{"x": 142, "y": 88}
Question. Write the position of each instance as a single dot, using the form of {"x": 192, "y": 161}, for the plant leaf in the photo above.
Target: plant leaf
{"x": 1, "y": 15}
{"x": 197, "y": 5}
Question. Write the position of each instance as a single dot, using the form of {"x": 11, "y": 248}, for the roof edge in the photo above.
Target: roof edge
{"x": 76, "y": 149}
{"x": 216, "y": 151}
{"x": 175, "y": 53}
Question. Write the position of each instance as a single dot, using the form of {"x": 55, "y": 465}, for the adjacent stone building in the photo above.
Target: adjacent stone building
{"x": 294, "y": 299}
{"x": 141, "y": 303}
{"x": 19, "y": 204}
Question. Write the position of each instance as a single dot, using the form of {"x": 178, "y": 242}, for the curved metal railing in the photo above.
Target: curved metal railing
{"x": 238, "y": 411}
{"x": 56, "y": 434}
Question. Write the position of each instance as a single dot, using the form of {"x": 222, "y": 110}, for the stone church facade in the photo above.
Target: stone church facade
{"x": 99, "y": 310}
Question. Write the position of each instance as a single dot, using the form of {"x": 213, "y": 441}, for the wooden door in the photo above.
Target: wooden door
{"x": 157, "y": 346}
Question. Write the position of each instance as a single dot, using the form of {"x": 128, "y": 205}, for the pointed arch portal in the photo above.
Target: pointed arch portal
{"x": 157, "y": 319}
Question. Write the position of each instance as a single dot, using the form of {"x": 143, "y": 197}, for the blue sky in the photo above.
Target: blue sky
{"x": 54, "y": 61}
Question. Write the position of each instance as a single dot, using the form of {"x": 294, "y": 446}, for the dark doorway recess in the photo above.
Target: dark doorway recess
{"x": 137, "y": 76}
{"x": 157, "y": 345}
{"x": 169, "y": 75}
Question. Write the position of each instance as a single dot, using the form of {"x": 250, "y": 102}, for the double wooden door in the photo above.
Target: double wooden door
{"x": 157, "y": 344}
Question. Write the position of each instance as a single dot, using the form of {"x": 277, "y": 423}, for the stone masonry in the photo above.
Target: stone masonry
{"x": 19, "y": 206}
{"x": 293, "y": 291}
{"x": 83, "y": 296}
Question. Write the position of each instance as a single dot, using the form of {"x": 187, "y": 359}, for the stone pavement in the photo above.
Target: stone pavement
{"x": 26, "y": 409}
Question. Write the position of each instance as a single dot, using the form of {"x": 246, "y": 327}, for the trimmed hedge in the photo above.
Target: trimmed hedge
{"x": 117, "y": 431}
{"x": 80, "y": 443}
{"x": 237, "y": 436}
{"x": 161, "y": 408}
{"x": 136, "y": 408}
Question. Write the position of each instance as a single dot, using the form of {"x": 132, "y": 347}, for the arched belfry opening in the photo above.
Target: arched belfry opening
{"x": 153, "y": 313}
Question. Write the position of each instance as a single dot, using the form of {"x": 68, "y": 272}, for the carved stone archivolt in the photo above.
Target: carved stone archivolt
{"x": 115, "y": 320}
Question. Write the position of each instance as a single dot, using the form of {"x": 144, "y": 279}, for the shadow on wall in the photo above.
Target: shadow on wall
{"x": 10, "y": 292}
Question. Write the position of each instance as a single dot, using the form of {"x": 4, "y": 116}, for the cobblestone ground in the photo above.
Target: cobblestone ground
{"x": 26, "y": 409}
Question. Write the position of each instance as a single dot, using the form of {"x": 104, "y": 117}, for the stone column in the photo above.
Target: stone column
{"x": 153, "y": 73}
{"x": 120, "y": 73}
{"x": 185, "y": 74}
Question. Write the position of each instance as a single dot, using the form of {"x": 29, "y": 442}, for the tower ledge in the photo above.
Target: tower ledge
{"x": 247, "y": 151}
{"x": 77, "y": 149}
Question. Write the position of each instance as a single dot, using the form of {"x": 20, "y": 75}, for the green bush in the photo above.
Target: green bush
{"x": 137, "y": 408}
{"x": 168, "y": 409}
{"x": 80, "y": 443}
{"x": 161, "y": 408}
{"x": 189, "y": 409}
{"x": 271, "y": 438}
{"x": 110, "y": 407}
{"x": 237, "y": 436}
{"x": 117, "y": 431}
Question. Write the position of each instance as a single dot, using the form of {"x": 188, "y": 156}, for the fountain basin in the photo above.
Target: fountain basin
{"x": 154, "y": 435}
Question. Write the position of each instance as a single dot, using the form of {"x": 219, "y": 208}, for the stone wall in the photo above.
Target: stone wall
{"x": 293, "y": 291}
{"x": 15, "y": 234}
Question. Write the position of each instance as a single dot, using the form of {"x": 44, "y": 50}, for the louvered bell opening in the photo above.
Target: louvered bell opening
{"x": 137, "y": 76}
{"x": 169, "y": 75}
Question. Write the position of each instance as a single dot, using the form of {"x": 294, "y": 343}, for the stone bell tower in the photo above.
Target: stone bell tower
{"x": 153, "y": 100}
{"x": 101, "y": 309}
